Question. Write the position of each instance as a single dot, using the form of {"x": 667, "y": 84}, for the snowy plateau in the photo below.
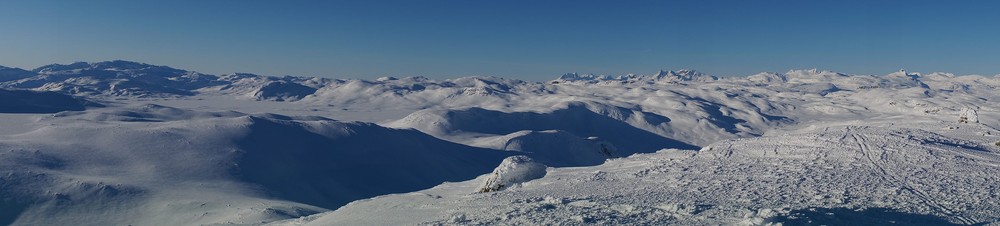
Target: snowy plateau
{"x": 126, "y": 143}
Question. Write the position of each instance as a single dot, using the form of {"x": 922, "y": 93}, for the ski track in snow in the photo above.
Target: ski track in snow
{"x": 733, "y": 182}
{"x": 878, "y": 165}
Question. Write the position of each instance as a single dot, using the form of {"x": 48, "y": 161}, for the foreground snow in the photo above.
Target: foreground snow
{"x": 910, "y": 174}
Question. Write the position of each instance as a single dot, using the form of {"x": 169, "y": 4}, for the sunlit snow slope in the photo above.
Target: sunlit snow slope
{"x": 879, "y": 174}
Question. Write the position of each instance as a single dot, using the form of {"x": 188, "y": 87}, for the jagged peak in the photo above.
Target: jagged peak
{"x": 576, "y": 76}
{"x": 682, "y": 75}
{"x": 661, "y": 75}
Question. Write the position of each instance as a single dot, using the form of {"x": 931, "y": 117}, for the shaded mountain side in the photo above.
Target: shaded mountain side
{"x": 27, "y": 101}
{"x": 155, "y": 165}
{"x": 576, "y": 119}
{"x": 10, "y": 74}
{"x": 361, "y": 160}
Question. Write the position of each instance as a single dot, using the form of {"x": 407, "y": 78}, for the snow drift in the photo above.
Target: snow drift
{"x": 512, "y": 171}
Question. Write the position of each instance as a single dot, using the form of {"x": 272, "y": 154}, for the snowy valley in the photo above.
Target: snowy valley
{"x": 127, "y": 143}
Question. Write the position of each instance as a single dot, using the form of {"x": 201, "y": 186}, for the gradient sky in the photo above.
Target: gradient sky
{"x": 535, "y": 40}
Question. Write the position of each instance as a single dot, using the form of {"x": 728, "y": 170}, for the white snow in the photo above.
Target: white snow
{"x": 512, "y": 172}
{"x": 874, "y": 174}
{"x": 142, "y": 144}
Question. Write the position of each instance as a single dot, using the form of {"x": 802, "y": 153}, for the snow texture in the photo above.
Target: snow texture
{"x": 512, "y": 171}
{"x": 126, "y": 143}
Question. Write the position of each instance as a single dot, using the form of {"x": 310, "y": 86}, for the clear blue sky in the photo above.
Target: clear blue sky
{"x": 535, "y": 40}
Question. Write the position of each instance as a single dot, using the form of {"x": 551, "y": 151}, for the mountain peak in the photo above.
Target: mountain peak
{"x": 113, "y": 65}
{"x": 575, "y": 76}
{"x": 121, "y": 65}
{"x": 682, "y": 75}
{"x": 10, "y": 74}
{"x": 61, "y": 67}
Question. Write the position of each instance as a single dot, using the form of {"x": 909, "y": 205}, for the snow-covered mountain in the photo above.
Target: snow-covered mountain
{"x": 172, "y": 166}
{"x": 27, "y": 101}
{"x": 92, "y": 142}
{"x": 10, "y": 74}
{"x": 132, "y": 79}
{"x": 663, "y": 76}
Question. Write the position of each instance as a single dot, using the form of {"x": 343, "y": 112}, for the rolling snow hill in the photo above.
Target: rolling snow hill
{"x": 165, "y": 165}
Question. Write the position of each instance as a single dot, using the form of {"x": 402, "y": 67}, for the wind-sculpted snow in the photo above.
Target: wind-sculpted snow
{"x": 513, "y": 171}
{"x": 154, "y": 165}
{"x": 859, "y": 174}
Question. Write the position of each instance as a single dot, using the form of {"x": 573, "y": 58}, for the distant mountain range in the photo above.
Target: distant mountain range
{"x": 133, "y": 79}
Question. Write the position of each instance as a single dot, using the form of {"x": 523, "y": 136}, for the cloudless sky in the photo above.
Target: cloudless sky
{"x": 535, "y": 40}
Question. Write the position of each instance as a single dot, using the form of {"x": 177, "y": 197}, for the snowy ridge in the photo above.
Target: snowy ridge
{"x": 132, "y": 79}
{"x": 10, "y": 74}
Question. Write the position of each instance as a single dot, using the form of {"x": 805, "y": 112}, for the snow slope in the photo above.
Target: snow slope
{"x": 913, "y": 174}
{"x": 26, "y": 101}
{"x": 155, "y": 165}
{"x": 9, "y": 74}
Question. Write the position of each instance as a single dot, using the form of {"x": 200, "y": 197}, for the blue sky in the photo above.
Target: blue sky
{"x": 536, "y": 40}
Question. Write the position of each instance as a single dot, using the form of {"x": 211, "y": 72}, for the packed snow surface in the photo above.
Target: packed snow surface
{"x": 912, "y": 174}
{"x": 126, "y": 143}
{"x": 513, "y": 171}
